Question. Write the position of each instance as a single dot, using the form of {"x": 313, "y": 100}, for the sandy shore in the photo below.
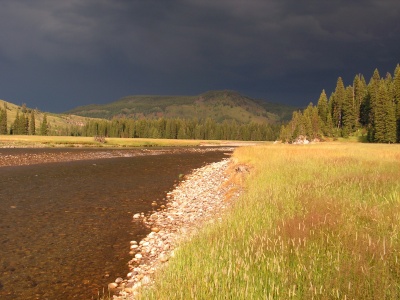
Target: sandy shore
{"x": 196, "y": 201}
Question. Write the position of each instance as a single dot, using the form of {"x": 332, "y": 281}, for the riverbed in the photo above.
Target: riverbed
{"x": 65, "y": 224}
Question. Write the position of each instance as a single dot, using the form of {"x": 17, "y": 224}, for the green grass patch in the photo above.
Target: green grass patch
{"x": 316, "y": 222}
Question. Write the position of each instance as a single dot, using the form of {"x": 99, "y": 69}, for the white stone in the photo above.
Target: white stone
{"x": 146, "y": 280}
{"x": 163, "y": 258}
{"x": 118, "y": 280}
{"x": 112, "y": 285}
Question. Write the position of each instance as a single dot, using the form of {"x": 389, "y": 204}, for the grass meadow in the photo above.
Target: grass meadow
{"x": 73, "y": 141}
{"x": 314, "y": 222}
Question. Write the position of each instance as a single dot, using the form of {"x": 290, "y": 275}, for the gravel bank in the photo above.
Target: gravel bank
{"x": 198, "y": 199}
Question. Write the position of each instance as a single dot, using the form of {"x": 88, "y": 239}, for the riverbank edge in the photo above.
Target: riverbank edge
{"x": 47, "y": 155}
{"x": 201, "y": 198}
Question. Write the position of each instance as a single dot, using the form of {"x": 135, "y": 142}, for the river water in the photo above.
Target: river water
{"x": 65, "y": 227}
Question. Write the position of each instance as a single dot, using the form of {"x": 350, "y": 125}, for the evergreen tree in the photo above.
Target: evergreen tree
{"x": 360, "y": 92}
{"x": 385, "y": 117}
{"x": 337, "y": 103}
{"x": 348, "y": 111}
{"x": 312, "y": 118}
{"x": 307, "y": 121}
{"x": 44, "y": 126}
{"x": 396, "y": 92}
{"x": 375, "y": 107}
{"x": 32, "y": 124}
{"x": 19, "y": 125}
{"x": 329, "y": 126}
{"x": 323, "y": 109}
{"x": 3, "y": 119}
{"x": 182, "y": 130}
{"x": 373, "y": 91}
{"x": 365, "y": 111}
{"x": 26, "y": 124}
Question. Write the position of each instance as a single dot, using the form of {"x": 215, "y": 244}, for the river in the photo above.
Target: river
{"x": 65, "y": 227}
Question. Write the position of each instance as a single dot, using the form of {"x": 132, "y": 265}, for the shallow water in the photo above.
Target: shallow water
{"x": 65, "y": 227}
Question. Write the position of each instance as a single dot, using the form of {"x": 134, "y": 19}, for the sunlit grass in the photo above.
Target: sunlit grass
{"x": 316, "y": 222}
{"x": 73, "y": 141}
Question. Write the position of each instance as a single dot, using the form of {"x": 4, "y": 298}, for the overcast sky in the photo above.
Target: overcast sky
{"x": 58, "y": 54}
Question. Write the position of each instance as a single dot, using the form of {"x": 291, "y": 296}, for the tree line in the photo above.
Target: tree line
{"x": 24, "y": 122}
{"x": 163, "y": 128}
{"x": 178, "y": 128}
{"x": 368, "y": 109}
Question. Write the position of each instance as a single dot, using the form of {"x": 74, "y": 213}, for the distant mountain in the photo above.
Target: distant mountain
{"x": 218, "y": 105}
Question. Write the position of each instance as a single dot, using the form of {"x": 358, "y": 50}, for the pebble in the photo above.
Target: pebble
{"x": 118, "y": 280}
{"x": 197, "y": 200}
{"x": 112, "y": 285}
{"x": 146, "y": 280}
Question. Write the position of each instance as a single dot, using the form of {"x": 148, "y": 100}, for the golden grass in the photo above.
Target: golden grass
{"x": 73, "y": 141}
{"x": 315, "y": 222}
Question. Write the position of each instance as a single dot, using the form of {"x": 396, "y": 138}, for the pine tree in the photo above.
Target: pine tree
{"x": 360, "y": 92}
{"x": 26, "y": 124}
{"x": 373, "y": 90}
{"x": 3, "y": 119}
{"x": 32, "y": 124}
{"x": 18, "y": 126}
{"x": 396, "y": 91}
{"x": 337, "y": 103}
{"x": 44, "y": 126}
{"x": 329, "y": 126}
{"x": 307, "y": 121}
{"x": 316, "y": 123}
{"x": 348, "y": 110}
{"x": 323, "y": 108}
{"x": 385, "y": 117}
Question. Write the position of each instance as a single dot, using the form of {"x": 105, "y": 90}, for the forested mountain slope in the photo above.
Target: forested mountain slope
{"x": 217, "y": 105}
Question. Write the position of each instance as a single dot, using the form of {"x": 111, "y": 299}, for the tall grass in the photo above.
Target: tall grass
{"x": 315, "y": 222}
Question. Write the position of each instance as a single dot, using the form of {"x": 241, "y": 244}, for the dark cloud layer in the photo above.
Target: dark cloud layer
{"x": 56, "y": 55}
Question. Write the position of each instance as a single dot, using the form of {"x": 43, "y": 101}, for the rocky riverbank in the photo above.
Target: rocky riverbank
{"x": 200, "y": 198}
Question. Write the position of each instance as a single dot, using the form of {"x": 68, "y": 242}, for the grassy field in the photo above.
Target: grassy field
{"x": 72, "y": 141}
{"x": 315, "y": 222}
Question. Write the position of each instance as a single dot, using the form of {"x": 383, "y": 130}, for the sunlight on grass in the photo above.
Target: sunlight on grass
{"x": 73, "y": 141}
{"x": 316, "y": 222}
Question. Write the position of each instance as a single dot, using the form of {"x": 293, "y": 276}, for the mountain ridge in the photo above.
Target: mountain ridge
{"x": 219, "y": 105}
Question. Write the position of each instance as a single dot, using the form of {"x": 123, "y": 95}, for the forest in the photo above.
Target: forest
{"x": 167, "y": 128}
{"x": 370, "y": 111}
{"x": 177, "y": 128}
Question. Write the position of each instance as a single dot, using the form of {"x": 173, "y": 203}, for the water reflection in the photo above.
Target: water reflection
{"x": 65, "y": 227}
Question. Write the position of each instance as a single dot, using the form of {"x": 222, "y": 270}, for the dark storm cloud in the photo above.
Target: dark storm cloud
{"x": 66, "y": 53}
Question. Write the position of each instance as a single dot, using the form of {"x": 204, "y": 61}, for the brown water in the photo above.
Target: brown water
{"x": 65, "y": 227}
